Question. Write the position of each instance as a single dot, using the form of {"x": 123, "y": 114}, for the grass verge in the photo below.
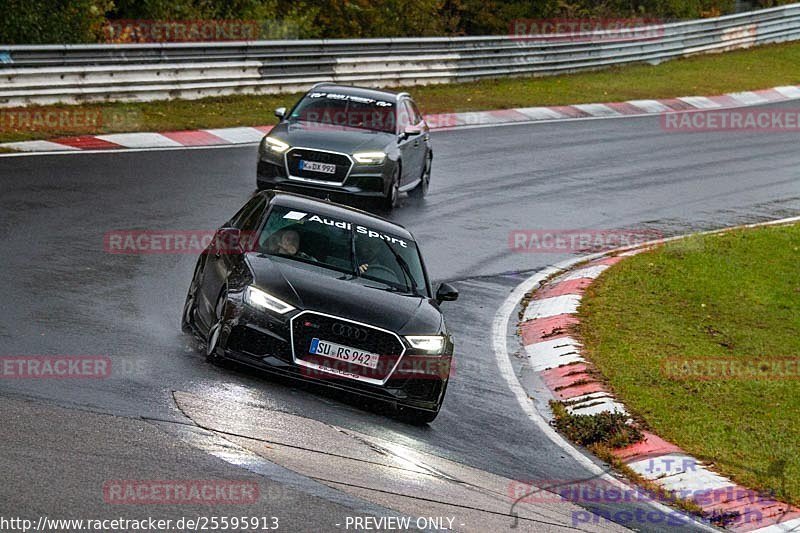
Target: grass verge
{"x": 726, "y": 297}
{"x": 757, "y": 68}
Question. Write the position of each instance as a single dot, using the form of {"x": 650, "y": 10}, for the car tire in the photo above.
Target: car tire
{"x": 190, "y": 305}
{"x": 392, "y": 196}
{"x": 421, "y": 190}
{"x": 215, "y": 331}
{"x": 416, "y": 417}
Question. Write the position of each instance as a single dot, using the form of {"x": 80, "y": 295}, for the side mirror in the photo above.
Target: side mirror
{"x": 446, "y": 293}
{"x": 410, "y": 131}
{"x": 227, "y": 241}
{"x": 280, "y": 112}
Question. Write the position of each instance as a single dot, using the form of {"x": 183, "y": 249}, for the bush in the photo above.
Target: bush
{"x": 81, "y": 21}
{"x": 53, "y": 21}
{"x": 608, "y": 429}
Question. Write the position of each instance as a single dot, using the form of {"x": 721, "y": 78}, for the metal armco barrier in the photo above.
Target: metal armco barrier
{"x": 141, "y": 72}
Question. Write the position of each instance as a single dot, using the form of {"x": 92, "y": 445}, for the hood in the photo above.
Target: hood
{"x": 311, "y": 288}
{"x": 333, "y": 138}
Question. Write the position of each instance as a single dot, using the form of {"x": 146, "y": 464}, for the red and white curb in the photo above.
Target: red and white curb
{"x": 614, "y": 109}
{"x": 132, "y": 141}
{"x": 556, "y": 357}
{"x": 439, "y": 121}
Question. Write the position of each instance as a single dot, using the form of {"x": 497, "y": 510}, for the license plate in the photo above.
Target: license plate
{"x": 343, "y": 353}
{"x": 315, "y": 166}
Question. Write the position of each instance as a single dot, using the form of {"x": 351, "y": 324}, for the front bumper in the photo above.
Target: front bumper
{"x": 363, "y": 181}
{"x": 261, "y": 340}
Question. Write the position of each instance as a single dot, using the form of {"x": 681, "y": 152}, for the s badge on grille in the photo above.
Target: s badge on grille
{"x": 349, "y": 331}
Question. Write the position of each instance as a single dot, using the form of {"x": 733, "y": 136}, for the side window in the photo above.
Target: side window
{"x": 406, "y": 115}
{"x": 251, "y": 218}
{"x": 236, "y": 219}
{"x": 415, "y": 111}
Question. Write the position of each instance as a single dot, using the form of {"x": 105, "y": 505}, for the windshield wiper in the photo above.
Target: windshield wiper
{"x": 392, "y": 288}
{"x": 412, "y": 289}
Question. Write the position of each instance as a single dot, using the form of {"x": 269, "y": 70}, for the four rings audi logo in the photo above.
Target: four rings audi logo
{"x": 349, "y": 331}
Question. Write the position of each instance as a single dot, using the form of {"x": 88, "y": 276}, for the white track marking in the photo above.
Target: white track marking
{"x": 748, "y": 98}
{"x": 596, "y": 407}
{"x": 700, "y": 102}
{"x": 551, "y": 354}
{"x": 695, "y": 482}
{"x": 592, "y": 272}
{"x": 238, "y": 135}
{"x": 586, "y": 397}
{"x": 557, "y": 305}
{"x": 650, "y": 106}
{"x": 598, "y": 110}
{"x": 140, "y": 140}
{"x": 789, "y": 91}
{"x": 661, "y": 466}
{"x": 540, "y": 113}
{"x": 38, "y": 146}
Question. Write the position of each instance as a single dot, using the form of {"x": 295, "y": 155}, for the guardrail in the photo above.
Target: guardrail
{"x": 141, "y": 72}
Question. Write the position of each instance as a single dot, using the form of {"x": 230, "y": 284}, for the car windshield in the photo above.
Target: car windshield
{"x": 345, "y": 110}
{"x": 376, "y": 258}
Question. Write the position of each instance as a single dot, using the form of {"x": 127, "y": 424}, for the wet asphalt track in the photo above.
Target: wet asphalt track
{"x": 64, "y": 295}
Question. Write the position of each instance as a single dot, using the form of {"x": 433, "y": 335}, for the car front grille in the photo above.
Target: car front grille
{"x": 342, "y": 162}
{"x": 310, "y": 325}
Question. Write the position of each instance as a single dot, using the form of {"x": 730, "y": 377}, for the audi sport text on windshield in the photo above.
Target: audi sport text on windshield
{"x": 377, "y": 258}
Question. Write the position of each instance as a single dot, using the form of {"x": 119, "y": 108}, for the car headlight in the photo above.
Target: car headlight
{"x": 258, "y": 298}
{"x": 369, "y": 158}
{"x": 429, "y": 343}
{"x": 276, "y": 145}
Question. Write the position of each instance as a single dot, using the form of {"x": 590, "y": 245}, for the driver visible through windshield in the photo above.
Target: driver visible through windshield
{"x": 375, "y": 258}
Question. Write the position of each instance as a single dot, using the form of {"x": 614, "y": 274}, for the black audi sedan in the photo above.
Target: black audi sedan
{"x": 324, "y": 293}
{"x": 348, "y": 142}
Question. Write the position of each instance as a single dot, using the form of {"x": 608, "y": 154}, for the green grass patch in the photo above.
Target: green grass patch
{"x": 757, "y": 68}
{"x": 732, "y": 296}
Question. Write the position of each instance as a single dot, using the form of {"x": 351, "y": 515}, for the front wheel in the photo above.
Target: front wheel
{"x": 190, "y": 305}
{"x": 421, "y": 190}
{"x": 215, "y": 331}
{"x": 390, "y": 200}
